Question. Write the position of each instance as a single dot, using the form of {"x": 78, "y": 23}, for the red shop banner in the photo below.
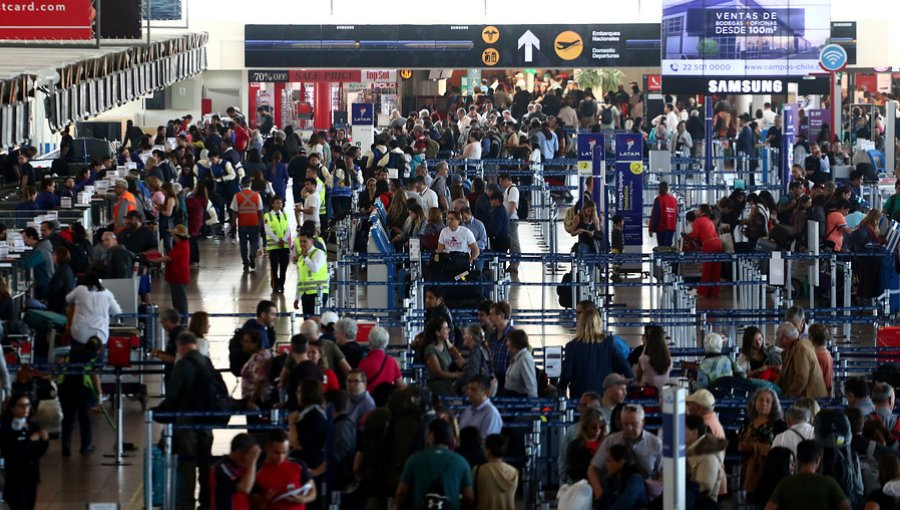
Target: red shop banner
{"x": 45, "y": 20}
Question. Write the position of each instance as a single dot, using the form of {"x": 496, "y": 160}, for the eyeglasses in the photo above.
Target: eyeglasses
{"x": 23, "y": 406}
{"x": 354, "y": 381}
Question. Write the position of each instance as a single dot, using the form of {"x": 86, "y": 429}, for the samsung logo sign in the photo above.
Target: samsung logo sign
{"x": 745, "y": 86}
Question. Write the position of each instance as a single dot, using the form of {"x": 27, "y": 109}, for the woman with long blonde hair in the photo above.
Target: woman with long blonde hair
{"x": 590, "y": 357}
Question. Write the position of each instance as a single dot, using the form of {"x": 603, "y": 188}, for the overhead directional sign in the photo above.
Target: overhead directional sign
{"x": 451, "y": 46}
{"x": 529, "y": 41}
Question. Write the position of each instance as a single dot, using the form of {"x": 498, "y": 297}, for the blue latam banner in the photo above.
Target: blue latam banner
{"x": 586, "y": 143}
{"x": 630, "y": 185}
{"x": 363, "y": 114}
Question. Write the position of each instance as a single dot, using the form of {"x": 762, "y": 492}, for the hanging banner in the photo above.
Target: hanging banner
{"x": 630, "y": 185}
{"x": 29, "y": 20}
{"x": 586, "y": 144}
{"x": 789, "y": 126}
{"x": 819, "y": 120}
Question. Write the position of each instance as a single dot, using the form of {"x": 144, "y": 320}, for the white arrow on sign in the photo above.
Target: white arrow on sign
{"x": 529, "y": 41}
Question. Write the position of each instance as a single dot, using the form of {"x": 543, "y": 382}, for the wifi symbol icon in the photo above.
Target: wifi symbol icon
{"x": 832, "y": 58}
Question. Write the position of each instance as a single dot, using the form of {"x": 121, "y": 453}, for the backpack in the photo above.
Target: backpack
{"x": 839, "y": 461}
{"x": 606, "y": 116}
{"x": 521, "y": 205}
{"x": 564, "y": 292}
{"x": 179, "y": 213}
{"x": 411, "y": 410}
{"x": 210, "y": 393}
{"x": 571, "y": 220}
{"x": 398, "y": 160}
{"x": 435, "y": 497}
{"x": 586, "y": 109}
{"x": 80, "y": 250}
{"x": 496, "y": 145}
{"x": 237, "y": 358}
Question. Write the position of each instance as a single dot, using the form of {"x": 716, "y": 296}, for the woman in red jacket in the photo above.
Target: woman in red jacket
{"x": 704, "y": 233}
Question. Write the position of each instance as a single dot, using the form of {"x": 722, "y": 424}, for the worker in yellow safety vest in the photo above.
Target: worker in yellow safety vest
{"x": 312, "y": 273}
{"x": 278, "y": 243}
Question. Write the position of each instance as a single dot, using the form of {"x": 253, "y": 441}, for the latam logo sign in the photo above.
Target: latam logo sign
{"x": 362, "y": 114}
{"x": 745, "y": 86}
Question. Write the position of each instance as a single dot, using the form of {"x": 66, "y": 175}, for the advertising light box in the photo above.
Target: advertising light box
{"x": 743, "y": 37}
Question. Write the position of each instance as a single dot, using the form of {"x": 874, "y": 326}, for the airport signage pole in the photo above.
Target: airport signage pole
{"x": 674, "y": 449}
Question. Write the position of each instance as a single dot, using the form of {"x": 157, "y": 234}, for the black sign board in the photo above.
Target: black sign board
{"x": 843, "y": 33}
{"x": 451, "y": 46}
{"x": 744, "y": 85}
{"x": 120, "y": 19}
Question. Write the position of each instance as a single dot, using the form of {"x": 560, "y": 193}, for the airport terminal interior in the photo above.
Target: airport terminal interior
{"x": 488, "y": 255}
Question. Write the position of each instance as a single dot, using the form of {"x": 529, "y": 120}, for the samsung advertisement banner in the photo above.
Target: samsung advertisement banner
{"x": 630, "y": 185}
{"x": 743, "y": 38}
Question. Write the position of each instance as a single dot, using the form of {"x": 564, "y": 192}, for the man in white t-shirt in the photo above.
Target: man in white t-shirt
{"x": 457, "y": 238}
{"x": 768, "y": 116}
{"x": 511, "y": 202}
{"x": 311, "y": 204}
{"x": 428, "y": 197}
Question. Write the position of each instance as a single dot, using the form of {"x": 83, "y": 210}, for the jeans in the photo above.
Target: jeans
{"x": 514, "y": 247}
{"x": 278, "y": 261}
{"x": 249, "y": 241}
{"x": 194, "y": 450}
{"x": 665, "y": 238}
{"x": 76, "y": 401}
{"x": 179, "y": 297}
{"x": 195, "y": 249}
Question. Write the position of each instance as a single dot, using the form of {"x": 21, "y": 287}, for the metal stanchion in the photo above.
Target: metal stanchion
{"x": 118, "y": 455}
{"x": 171, "y": 466}
{"x": 148, "y": 461}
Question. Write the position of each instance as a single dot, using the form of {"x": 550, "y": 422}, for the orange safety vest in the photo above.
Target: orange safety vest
{"x": 248, "y": 207}
{"x": 118, "y": 215}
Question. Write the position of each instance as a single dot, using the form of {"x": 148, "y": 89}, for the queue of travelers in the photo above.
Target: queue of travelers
{"x": 343, "y": 401}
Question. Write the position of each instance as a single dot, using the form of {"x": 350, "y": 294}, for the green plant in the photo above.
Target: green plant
{"x": 612, "y": 78}
{"x": 707, "y": 48}
{"x": 588, "y": 78}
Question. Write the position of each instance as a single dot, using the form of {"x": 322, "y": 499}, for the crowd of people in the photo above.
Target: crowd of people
{"x": 349, "y": 407}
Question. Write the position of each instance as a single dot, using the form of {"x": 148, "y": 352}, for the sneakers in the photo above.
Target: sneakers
{"x": 246, "y": 267}
{"x": 252, "y": 264}
{"x": 234, "y": 240}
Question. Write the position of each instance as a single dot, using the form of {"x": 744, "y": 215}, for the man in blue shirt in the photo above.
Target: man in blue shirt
{"x": 481, "y": 414}
{"x": 266, "y": 313}
{"x": 498, "y": 224}
{"x": 436, "y": 465}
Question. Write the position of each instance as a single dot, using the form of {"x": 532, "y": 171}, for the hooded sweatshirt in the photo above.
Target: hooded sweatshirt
{"x": 704, "y": 459}
{"x": 495, "y": 486}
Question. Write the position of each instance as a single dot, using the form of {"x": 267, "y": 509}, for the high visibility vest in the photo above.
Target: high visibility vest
{"x": 320, "y": 187}
{"x": 120, "y": 212}
{"x": 310, "y": 283}
{"x": 248, "y": 202}
{"x": 278, "y": 223}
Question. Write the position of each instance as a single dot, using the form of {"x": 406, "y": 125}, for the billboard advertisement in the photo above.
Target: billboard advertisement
{"x": 743, "y": 37}
{"x": 37, "y": 20}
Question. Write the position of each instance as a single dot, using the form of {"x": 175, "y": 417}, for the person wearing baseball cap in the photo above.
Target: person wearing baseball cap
{"x": 702, "y": 403}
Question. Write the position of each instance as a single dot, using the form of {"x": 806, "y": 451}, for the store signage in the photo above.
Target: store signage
{"x": 745, "y": 86}
{"x": 406, "y": 73}
{"x": 743, "y": 38}
{"x": 452, "y": 46}
{"x": 325, "y": 75}
{"x": 654, "y": 83}
{"x": 379, "y": 75}
{"x": 30, "y": 20}
{"x": 267, "y": 76}
{"x": 630, "y": 185}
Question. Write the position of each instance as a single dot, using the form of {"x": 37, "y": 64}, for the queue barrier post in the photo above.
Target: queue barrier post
{"x": 171, "y": 466}
{"x": 148, "y": 461}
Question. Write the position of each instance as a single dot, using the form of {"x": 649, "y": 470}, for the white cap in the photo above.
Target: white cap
{"x": 328, "y": 318}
